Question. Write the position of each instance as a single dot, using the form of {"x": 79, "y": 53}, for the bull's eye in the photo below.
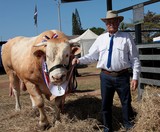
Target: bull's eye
{"x": 50, "y": 58}
{"x": 67, "y": 55}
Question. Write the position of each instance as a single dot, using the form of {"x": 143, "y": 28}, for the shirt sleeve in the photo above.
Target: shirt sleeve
{"x": 134, "y": 57}
{"x": 92, "y": 55}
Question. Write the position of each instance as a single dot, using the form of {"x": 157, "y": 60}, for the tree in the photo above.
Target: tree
{"x": 97, "y": 31}
{"x": 123, "y": 26}
{"x": 76, "y": 24}
{"x": 78, "y": 19}
{"x": 151, "y": 22}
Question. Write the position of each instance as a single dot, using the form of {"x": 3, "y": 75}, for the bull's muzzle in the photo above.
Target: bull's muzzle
{"x": 58, "y": 74}
{"x": 58, "y": 78}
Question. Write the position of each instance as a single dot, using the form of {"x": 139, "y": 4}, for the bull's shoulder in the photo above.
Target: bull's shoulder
{"x": 18, "y": 47}
{"x": 10, "y": 43}
{"x": 19, "y": 40}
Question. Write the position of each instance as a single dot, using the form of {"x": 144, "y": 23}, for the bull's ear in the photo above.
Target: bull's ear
{"x": 39, "y": 53}
{"x": 39, "y": 49}
{"x": 76, "y": 50}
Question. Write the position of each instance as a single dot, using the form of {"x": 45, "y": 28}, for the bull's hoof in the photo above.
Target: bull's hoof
{"x": 17, "y": 109}
{"x": 50, "y": 97}
{"x": 56, "y": 119}
{"x": 43, "y": 126}
{"x": 56, "y": 123}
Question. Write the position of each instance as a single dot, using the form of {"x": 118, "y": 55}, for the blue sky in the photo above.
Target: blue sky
{"x": 16, "y": 16}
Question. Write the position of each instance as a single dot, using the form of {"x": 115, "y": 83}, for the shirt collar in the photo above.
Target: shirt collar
{"x": 110, "y": 35}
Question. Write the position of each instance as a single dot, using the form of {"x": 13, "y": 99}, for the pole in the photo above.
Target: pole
{"x": 35, "y": 18}
{"x": 109, "y": 4}
{"x": 138, "y": 34}
{"x": 59, "y": 15}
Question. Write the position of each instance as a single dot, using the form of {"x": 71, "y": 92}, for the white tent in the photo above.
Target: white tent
{"x": 156, "y": 39}
{"x": 85, "y": 40}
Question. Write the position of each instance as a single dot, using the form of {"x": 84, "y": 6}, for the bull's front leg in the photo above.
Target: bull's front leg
{"x": 59, "y": 103}
{"x": 37, "y": 98}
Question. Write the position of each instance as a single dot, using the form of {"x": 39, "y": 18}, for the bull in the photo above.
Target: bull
{"x": 22, "y": 58}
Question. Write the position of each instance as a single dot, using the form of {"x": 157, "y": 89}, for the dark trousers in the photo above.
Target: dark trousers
{"x": 120, "y": 84}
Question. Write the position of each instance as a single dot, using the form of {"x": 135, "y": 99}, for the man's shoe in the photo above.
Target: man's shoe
{"x": 128, "y": 126}
{"x": 106, "y": 129}
{"x": 132, "y": 116}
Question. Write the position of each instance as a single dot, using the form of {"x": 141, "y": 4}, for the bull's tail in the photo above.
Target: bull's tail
{"x": 22, "y": 86}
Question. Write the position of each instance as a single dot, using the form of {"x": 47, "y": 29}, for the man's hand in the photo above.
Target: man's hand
{"x": 134, "y": 84}
{"x": 75, "y": 61}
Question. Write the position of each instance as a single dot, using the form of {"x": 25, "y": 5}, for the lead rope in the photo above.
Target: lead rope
{"x": 70, "y": 85}
{"x": 72, "y": 82}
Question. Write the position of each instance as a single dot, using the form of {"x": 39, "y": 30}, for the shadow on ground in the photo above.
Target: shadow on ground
{"x": 2, "y": 71}
{"x": 90, "y": 107}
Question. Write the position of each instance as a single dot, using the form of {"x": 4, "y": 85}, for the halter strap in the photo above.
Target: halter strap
{"x": 58, "y": 66}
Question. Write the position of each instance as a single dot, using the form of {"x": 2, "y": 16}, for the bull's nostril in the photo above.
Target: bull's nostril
{"x": 62, "y": 77}
{"x": 52, "y": 77}
{"x": 58, "y": 78}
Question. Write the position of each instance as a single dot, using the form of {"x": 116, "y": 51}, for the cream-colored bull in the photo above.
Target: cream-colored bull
{"x": 22, "y": 60}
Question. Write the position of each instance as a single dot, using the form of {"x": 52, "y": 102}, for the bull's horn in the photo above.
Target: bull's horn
{"x": 46, "y": 37}
{"x": 41, "y": 44}
{"x": 71, "y": 41}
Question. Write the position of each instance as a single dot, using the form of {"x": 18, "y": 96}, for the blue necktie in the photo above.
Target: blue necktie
{"x": 110, "y": 52}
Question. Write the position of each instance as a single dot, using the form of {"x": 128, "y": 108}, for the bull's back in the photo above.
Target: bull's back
{"x": 15, "y": 52}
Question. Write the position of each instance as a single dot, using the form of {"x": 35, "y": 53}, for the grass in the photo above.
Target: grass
{"x": 89, "y": 79}
{"x": 82, "y": 110}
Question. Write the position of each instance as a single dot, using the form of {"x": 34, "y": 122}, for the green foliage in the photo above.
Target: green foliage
{"x": 76, "y": 24}
{"x": 123, "y": 26}
{"x": 151, "y": 23}
{"x": 78, "y": 19}
{"x": 97, "y": 31}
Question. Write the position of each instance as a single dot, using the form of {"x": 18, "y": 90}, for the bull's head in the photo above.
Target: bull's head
{"x": 57, "y": 53}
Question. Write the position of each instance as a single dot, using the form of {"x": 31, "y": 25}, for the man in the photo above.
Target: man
{"x": 115, "y": 52}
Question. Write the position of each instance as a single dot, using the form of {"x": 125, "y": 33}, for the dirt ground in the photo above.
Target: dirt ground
{"x": 81, "y": 109}
{"x": 77, "y": 116}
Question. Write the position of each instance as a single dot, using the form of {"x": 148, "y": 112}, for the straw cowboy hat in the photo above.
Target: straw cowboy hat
{"x": 112, "y": 14}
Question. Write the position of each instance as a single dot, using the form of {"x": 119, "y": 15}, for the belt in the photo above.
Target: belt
{"x": 115, "y": 73}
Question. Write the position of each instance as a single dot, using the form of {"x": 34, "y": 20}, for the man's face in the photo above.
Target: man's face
{"x": 112, "y": 25}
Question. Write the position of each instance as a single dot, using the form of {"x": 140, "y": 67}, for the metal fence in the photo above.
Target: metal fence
{"x": 149, "y": 55}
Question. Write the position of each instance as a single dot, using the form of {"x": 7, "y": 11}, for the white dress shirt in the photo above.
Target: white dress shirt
{"x": 124, "y": 53}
